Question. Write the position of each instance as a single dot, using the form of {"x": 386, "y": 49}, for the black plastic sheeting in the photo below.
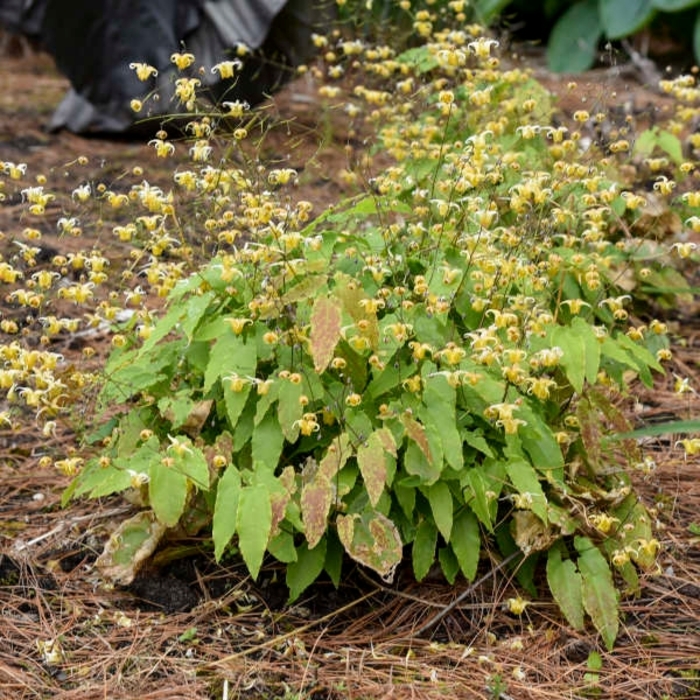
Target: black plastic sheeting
{"x": 94, "y": 41}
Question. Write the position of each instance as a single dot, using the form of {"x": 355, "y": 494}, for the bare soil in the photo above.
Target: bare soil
{"x": 188, "y": 628}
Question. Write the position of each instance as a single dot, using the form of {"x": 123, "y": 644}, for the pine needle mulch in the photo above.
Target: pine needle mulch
{"x": 190, "y": 629}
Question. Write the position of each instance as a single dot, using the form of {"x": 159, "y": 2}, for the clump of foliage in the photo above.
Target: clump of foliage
{"x": 579, "y": 27}
{"x": 426, "y": 369}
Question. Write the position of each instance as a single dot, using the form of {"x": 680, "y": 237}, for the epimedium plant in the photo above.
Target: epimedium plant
{"x": 427, "y": 369}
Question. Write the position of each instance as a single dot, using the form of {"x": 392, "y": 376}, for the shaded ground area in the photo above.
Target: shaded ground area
{"x": 190, "y": 629}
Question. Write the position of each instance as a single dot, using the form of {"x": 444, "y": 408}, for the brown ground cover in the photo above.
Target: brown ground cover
{"x": 188, "y": 628}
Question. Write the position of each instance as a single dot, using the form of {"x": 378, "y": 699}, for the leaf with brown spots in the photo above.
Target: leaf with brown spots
{"x": 417, "y": 433}
{"x": 316, "y": 500}
{"x": 372, "y": 463}
{"x": 373, "y": 540}
{"x": 326, "y": 321}
{"x": 336, "y": 456}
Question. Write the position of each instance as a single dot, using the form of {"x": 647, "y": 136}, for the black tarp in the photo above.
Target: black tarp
{"x": 94, "y": 41}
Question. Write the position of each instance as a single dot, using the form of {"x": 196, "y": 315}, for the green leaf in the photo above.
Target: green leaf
{"x": 125, "y": 381}
{"x": 325, "y": 331}
{"x": 573, "y": 42}
{"x": 231, "y": 356}
{"x": 235, "y": 402}
{"x": 671, "y": 144}
{"x": 650, "y": 139}
{"x": 448, "y": 564}
{"x": 645, "y": 142}
{"x": 282, "y": 547}
{"x": 635, "y": 528}
{"x": 306, "y": 569}
{"x": 539, "y": 443}
{"x": 371, "y": 459}
{"x": 406, "y": 497}
{"x": 581, "y": 358}
{"x": 610, "y": 348}
{"x": 478, "y": 442}
{"x": 182, "y": 316}
{"x": 190, "y": 460}
{"x": 442, "y": 506}
{"x": 333, "y": 565}
{"x": 253, "y": 524}
{"x": 465, "y": 541}
{"x": 226, "y": 509}
{"x": 423, "y": 551}
{"x": 245, "y": 424}
{"x": 100, "y": 481}
{"x": 599, "y": 595}
{"x": 674, "y": 5}
{"x": 420, "y": 58}
{"x": 439, "y": 409}
{"x": 289, "y": 408}
{"x": 167, "y": 493}
{"x": 304, "y": 289}
{"x": 622, "y": 19}
{"x": 677, "y": 426}
{"x": 475, "y": 489}
{"x": 642, "y": 357}
{"x": 565, "y": 583}
{"x": 524, "y": 477}
{"x": 268, "y": 441}
{"x": 416, "y": 464}
{"x": 488, "y": 10}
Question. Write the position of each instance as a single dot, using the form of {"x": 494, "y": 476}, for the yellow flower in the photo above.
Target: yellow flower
{"x": 236, "y": 383}
{"x": 452, "y": 354}
{"x": 682, "y": 385}
{"x": 200, "y": 151}
{"x": 262, "y": 386}
{"x": 649, "y": 547}
{"x": 179, "y": 447}
{"x": 540, "y": 387}
{"x": 353, "y": 400}
{"x": 413, "y": 384}
{"x": 603, "y": 522}
{"x": 227, "y": 69}
{"x": 236, "y": 109}
{"x": 307, "y": 424}
{"x": 163, "y": 148}
{"x": 620, "y": 557}
{"x": 690, "y": 445}
{"x": 185, "y": 90}
{"x": 517, "y": 605}
{"x": 136, "y": 105}
{"x": 238, "y": 324}
{"x": 143, "y": 71}
{"x": 82, "y": 193}
{"x": 182, "y": 60}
